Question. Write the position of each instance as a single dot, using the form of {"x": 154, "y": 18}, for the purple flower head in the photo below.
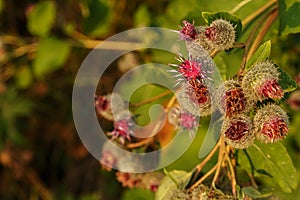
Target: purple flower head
{"x": 108, "y": 160}
{"x": 188, "y": 31}
{"x": 122, "y": 130}
{"x": 183, "y": 120}
{"x": 271, "y": 89}
{"x": 189, "y": 70}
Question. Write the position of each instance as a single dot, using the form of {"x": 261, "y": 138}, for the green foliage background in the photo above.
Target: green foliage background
{"x": 42, "y": 44}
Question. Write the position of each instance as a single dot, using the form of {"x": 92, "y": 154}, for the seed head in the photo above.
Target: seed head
{"x": 231, "y": 99}
{"x": 201, "y": 45}
{"x": 261, "y": 82}
{"x": 221, "y": 34}
{"x": 188, "y": 31}
{"x": 271, "y": 123}
{"x": 195, "y": 98}
{"x": 237, "y": 131}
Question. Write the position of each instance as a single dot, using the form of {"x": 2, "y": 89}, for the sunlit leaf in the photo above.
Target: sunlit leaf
{"x": 220, "y": 63}
{"x": 51, "y": 55}
{"x": 41, "y": 18}
{"x": 182, "y": 178}
{"x": 261, "y": 54}
{"x": 179, "y": 9}
{"x": 24, "y": 77}
{"x": 142, "y": 17}
{"x": 212, "y": 134}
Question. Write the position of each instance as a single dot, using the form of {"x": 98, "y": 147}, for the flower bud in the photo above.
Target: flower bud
{"x": 271, "y": 124}
{"x": 183, "y": 120}
{"x": 195, "y": 98}
{"x": 108, "y": 104}
{"x": 191, "y": 69}
{"x": 231, "y": 99}
{"x": 188, "y": 31}
{"x": 200, "y": 45}
{"x": 221, "y": 34}
{"x": 237, "y": 131}
{"x": 122, "y": 130}
{"x": 261, "y": 82}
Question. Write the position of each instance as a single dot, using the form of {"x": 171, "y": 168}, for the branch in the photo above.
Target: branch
{"x": 258, "y": 12}
{"x": 262, "y": 33}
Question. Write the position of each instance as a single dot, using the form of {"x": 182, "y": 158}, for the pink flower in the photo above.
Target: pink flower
{"x": 189, "y": 70}
{"x": 183, "y": 119}
{"x": 210, "y": 33}
{"x": 102, "y": 103}
{"x": 188, "y": 31}
{"x": 108, "y": 160}
{"x": 237, "y": 131}
{"x": 188, "y": 121}
{"x": 105, "y": 104}
{"x": 262, "y": 82}
{"x": 275, "y": 129}
{"x": 271, "y": 89}
{"x": 231, "y": 99}
{"x": 271, "y": 124}
{"x": 122, "y": 130}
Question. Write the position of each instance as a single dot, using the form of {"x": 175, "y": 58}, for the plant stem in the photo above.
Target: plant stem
{"x": 151, "y": 99}
{"x": 205, "y": 176}
{"x": 239, "y": 6}
{"x": 248, "y": 42}
{"x": 140, "y": 143}
{"x": 232, "y": 173}
{"x": 262, "y": 33}
{"x": 199, "y": 167}
{"x": 220, "y": 161}
{"x": 258, "y": 12}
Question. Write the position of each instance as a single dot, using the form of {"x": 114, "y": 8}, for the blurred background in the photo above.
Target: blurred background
{"x": 42, "y": 45}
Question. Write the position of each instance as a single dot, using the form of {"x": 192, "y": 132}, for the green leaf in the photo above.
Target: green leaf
{"x": 212, "y": 135}
{"x": 286, "y": 82}
{"x": 275, "y": 160}
{"x": 41, "y": 18}
{"x": 51, "y": 55}
{"x": 137, "y": 193}
{"x": 261, "y": 54}
{"x": 24, "y": 77}
{"x": 209, "y": 17}
{"x": 251, "y": 191}
{"x": 167, "y": 184}
{"x": 142, "y": 17}
{"x": 221, "y": 64}
{"x": 98, "y": 17}
{"x": 254, "y": 193}
{"x": 1, "y": 5}
{"x": 263, "y": 172}
{"x": 289, "y": 16}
